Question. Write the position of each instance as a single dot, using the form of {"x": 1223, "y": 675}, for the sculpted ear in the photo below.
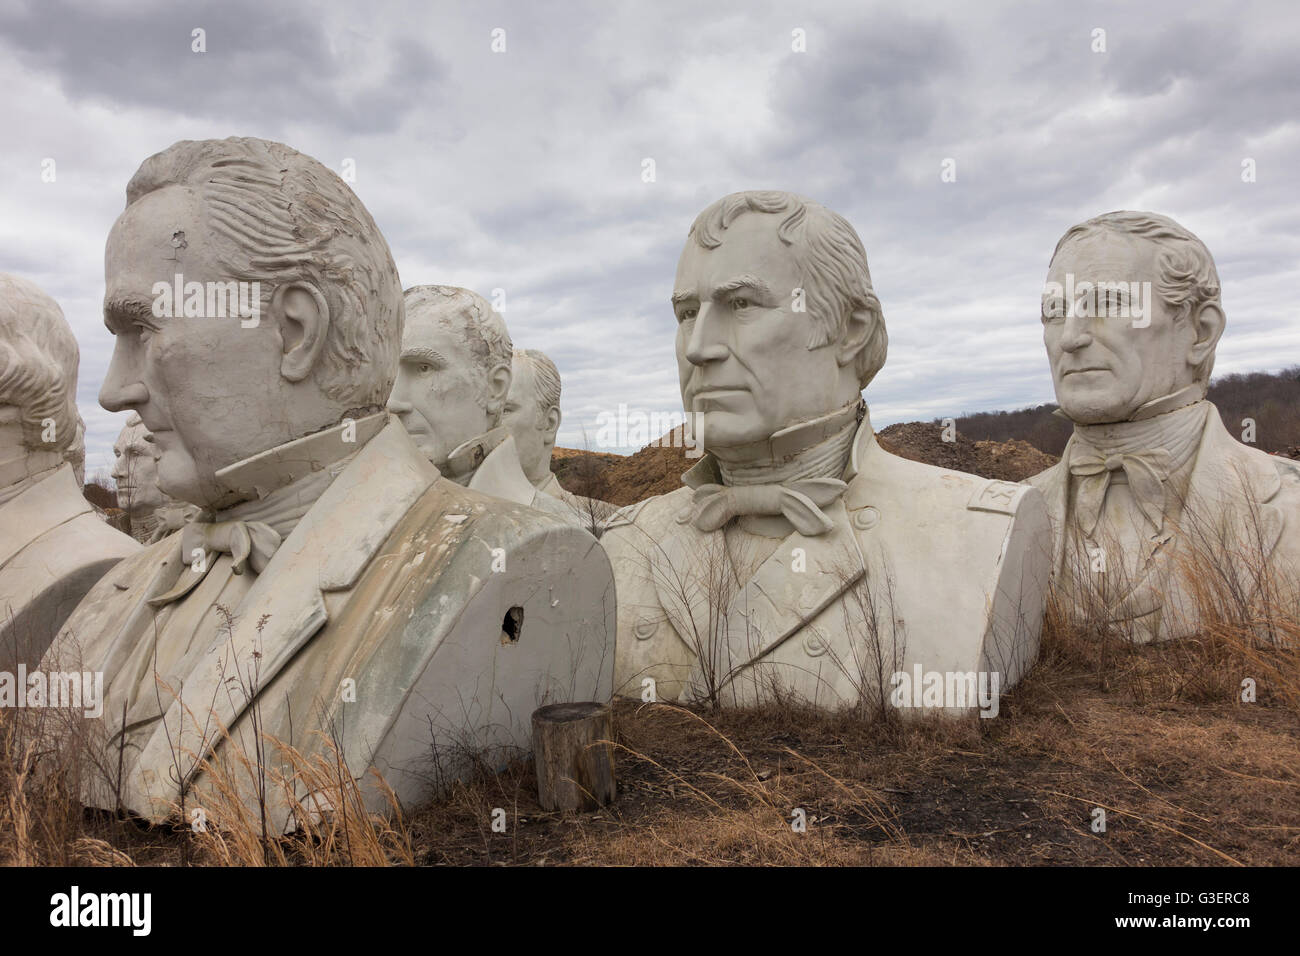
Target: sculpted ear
{"x": 1208, "y": 321}
{"x": 498, "y": 387}
{"x": 551, "y": 422}
{"x": 302, "y": 315}
{"x": 861, "y": 329}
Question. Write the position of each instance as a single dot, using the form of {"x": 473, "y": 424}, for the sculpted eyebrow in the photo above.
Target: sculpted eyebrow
{"x": 678, "y": 298}
{"x": 120, "y": 313}
{"x": 743, "y": 282}
{"x": 432, "y": 356}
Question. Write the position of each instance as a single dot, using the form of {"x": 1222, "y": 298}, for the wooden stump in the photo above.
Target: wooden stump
{"x": 574, "y": 772}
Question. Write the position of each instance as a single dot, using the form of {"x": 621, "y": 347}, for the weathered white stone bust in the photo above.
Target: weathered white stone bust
{"x": 451, "y": 391}
{"x": 152, "y": 514}
{"x": 335, "y": 584}
{"x": 53, "y": 547}
{"x": 532, "y": 415}
{"x": 1151, "y": 485}
{"x": 800, "y": 557}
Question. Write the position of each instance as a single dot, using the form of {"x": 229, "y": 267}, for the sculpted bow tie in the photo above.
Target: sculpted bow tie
{"x": 1146, "y": 472}
{"x": 247, "y": 542}
{"x": 800, "y": 501}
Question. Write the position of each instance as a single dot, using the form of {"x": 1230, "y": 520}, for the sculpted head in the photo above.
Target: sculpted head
{"x": 454, "y": 373}
{"x": 1131, "y": 313}
{"x": 777, "y": 319}
{"x": 38, "y": 377}
{"x": 258, "y": 219}
{"x": 533, "y": 411}
{"x": 135, "y": 470}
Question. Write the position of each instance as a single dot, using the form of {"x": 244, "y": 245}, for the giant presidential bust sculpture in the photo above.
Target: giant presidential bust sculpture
{"x": 53, "y": 547}
{"x": 451, "y": 391}
{"x": 533, "y": 416}
{"x": 800, "y": 558}
{"x": 1154, "y": 503}
{"x": 335, "y": 584}
{"x": 151, "y": 513}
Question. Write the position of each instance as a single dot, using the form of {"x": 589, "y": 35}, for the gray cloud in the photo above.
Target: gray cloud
{"x": 523, "y": 170}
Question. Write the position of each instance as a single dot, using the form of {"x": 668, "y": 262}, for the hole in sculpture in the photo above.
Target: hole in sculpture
{"x": 511, "y": 625}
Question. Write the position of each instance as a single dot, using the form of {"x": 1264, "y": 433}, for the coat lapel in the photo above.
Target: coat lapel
{"x": 327, "y": 551}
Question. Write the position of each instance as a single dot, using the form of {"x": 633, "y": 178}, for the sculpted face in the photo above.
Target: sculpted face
{"x": 439, "y": 390}
{"x": 1104, "y": 368}
{"x": 135, "y": 471}
{"x": 742, "y": 355}
{"x": 534, "y": 434}
{"x": 202, "y": 386}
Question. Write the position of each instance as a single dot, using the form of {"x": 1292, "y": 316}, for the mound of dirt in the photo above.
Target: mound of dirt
{"x": 657, "y": 469}
{"x": 1013, "y": 460}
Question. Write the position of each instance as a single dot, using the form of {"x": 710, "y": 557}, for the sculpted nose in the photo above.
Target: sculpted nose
{"x": 1077, "y": 332}
{"x": 122, "y": 389}
{"x": 706, "y": 344}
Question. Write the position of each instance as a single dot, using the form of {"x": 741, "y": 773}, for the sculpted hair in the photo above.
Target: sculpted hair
{"x": 831, "y": 260}
{"x": 546, "y": 378}
{"x": 278, "y": 216}
{"x": 485, "y": 330}
{"x": 1186, "y": 277}
{"x": 38, "y": 364}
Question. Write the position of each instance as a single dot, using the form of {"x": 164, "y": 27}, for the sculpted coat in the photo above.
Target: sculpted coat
{"x": 399, "y": 593}
{"x": 53, "y": 548}
{"x": 1240, "y": 510}
{"x": 923, "y": 566}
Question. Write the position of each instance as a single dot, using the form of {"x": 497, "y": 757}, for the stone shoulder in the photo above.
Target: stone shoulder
{"x": 890, "y": 477}
{"x": 652, "y": 515}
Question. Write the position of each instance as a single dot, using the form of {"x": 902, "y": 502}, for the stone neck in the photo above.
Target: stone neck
{"x": 19, "y": 474}
{"x": 257, "y": 477}
{"x": 1177, "y": 431}
{"x": 287, "y": 480}
{"x": 819, "y": 448}
{"x": 466, "y": 457}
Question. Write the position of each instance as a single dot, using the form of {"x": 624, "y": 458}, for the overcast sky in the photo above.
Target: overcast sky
{"x": 522, "y": 169}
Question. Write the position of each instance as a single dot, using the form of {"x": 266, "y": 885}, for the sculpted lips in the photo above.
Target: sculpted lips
{"x": 717, "y": 393}
{"x": 1090, "y": 368}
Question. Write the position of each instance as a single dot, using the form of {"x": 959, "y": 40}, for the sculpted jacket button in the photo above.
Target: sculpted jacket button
{"x": 865, "y": 518}
{"x": 645, "y": 628}
{"x": 814, "y": 644}
{"x": 808, "y": 597}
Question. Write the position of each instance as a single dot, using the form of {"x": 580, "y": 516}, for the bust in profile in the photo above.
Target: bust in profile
{"x": 53, "y": 547}
{"x": 451, "y": 392}
{"x": 1153, "y": 500}
{"x": 533, "y": 417}
{"x": 151, "y": 513}
{"x": 336, "y": 592}
{"x": 800, "y": 559}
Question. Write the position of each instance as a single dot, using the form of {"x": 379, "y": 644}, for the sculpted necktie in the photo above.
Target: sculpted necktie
{"x": 247, "y": 542}
{"x": 800, "y": 501}
{"x": 1146, "y": 472}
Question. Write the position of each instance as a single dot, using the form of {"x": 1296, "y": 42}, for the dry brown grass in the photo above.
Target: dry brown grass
{"x": 1158, "y": 736}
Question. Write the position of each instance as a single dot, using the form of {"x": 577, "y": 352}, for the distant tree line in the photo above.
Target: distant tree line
{"x": 1270, "y": 400}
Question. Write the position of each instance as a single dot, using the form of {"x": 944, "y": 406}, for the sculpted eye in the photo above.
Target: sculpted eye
{"x": 688, "y": 314}
{"x": 739, "y": 303}
{"x": 426, "y": 368}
